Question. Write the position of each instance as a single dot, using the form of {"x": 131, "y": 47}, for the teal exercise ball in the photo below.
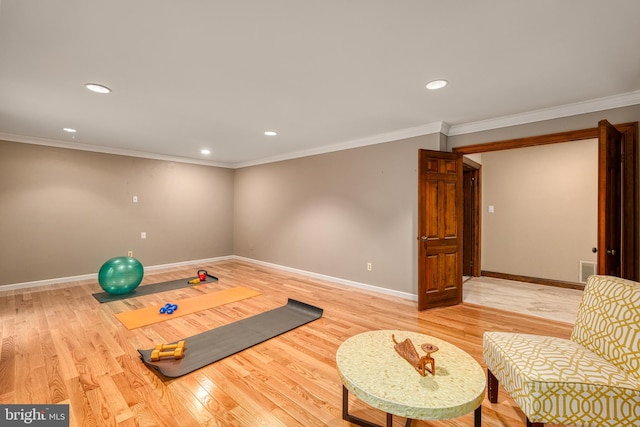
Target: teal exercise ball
{"x": 120, "y": 275}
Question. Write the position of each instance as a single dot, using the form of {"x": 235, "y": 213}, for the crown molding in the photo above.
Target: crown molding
{"x": 428, "y": 129}
{"x": 106, "y": 150}
{"x": 590, "y": 106}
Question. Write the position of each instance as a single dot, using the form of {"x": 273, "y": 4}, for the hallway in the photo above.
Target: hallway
{"x": 549, "y": 302}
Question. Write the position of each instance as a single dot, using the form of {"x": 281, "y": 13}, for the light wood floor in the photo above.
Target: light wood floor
{"x": 550, "y": 302}
{"x": 59, "y": 345}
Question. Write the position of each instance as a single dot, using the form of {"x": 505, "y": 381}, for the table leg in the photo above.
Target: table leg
{"x": 355, "y": 420}
{"x": 477, "y": 417}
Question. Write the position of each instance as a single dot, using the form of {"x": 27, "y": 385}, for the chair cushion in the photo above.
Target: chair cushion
{"x": 554, "y": 380}
{"x": 608, "y": 321}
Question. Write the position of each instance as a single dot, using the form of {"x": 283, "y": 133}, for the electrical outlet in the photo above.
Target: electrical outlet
{"x": 369, "y": 266}
{"x": 130, "y": 253}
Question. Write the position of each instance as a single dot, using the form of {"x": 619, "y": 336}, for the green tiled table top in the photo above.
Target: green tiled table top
{"x": 371, "y": 369}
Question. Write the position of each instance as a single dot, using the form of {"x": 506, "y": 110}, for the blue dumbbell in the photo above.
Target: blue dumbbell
{"x": 168, "y": 308}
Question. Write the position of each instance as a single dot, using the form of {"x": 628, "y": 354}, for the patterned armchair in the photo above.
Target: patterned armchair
{"x": 592, "y": 379}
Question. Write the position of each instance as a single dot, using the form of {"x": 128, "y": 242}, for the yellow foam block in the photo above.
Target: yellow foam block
{"x": 150, "y": 315}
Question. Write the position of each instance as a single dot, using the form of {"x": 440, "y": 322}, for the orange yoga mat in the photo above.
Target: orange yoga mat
{"x": 150, "y": 315}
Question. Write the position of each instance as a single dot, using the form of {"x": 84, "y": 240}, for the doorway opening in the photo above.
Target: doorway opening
{"x": 628, "y": 190}
{"x": 471, "y": 187}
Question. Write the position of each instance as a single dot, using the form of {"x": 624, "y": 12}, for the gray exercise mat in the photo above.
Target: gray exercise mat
{"x": 151, "y": 289}
{"x": 216, "y": 344}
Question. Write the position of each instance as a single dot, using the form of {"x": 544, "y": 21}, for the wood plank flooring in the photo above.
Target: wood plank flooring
{"x": 59, "y": 345}
{"x": 550, "y": 302}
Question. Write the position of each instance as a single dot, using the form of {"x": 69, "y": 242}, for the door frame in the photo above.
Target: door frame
{"x": 630, "y": 215}
{"x": 473, "y": 208}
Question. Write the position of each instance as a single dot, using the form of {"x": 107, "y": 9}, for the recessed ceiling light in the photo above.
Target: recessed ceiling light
{"x": 70, "y": 130}
{"x": 205, "y": 151}
{"x": 436, "y": 84}
{"x": 270, "y": 133}
{"x": 94, "y": 87}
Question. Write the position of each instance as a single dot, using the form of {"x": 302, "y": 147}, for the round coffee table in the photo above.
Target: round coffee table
{"x": 371, "y": 369}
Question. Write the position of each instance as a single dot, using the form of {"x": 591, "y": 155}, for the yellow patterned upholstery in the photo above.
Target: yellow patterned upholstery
{"x": 608, "y": 321}
{"x": 593, "y": 379}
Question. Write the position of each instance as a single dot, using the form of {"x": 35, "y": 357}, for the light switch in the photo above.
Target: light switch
{"x": 143, "y": 235}
{"x": 490, "y": 208}
{"x": 135, "y": 199}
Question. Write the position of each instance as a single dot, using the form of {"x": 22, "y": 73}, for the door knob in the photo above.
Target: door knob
{"x": 423, "y": 238}
{"x": 594, "y": 250}
{"x": 611, "y": 251}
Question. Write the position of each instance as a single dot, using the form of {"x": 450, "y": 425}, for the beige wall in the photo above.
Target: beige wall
{"x": 333, "y": 213}
{"x": 64, "y": 212}
{"x": 545, "y": 202}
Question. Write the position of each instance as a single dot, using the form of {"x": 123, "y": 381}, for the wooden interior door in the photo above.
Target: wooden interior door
{"x": 630, "y": 250}
{"x": 440, "y": 229}
{"x": 610, "y": 143}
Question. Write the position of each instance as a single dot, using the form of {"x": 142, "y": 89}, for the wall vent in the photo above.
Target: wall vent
{"x": 587, "y": 268}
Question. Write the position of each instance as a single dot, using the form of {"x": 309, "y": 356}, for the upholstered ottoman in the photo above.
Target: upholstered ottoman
{"x": 593, "y": 379}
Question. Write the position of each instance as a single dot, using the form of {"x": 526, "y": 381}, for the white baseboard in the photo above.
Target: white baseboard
{"x": 188, "y": 263}
{"x": 46, "y": 282}
{"x": 338, "y": 280}
{"x": 70, "y": 280}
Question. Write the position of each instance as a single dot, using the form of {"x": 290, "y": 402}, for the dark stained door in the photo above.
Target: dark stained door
{"x": 440, "y": 229}
{"x": 609, "y": 199}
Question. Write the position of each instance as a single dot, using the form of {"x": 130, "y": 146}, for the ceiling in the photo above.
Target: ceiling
{"x": 325, "y": 75}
